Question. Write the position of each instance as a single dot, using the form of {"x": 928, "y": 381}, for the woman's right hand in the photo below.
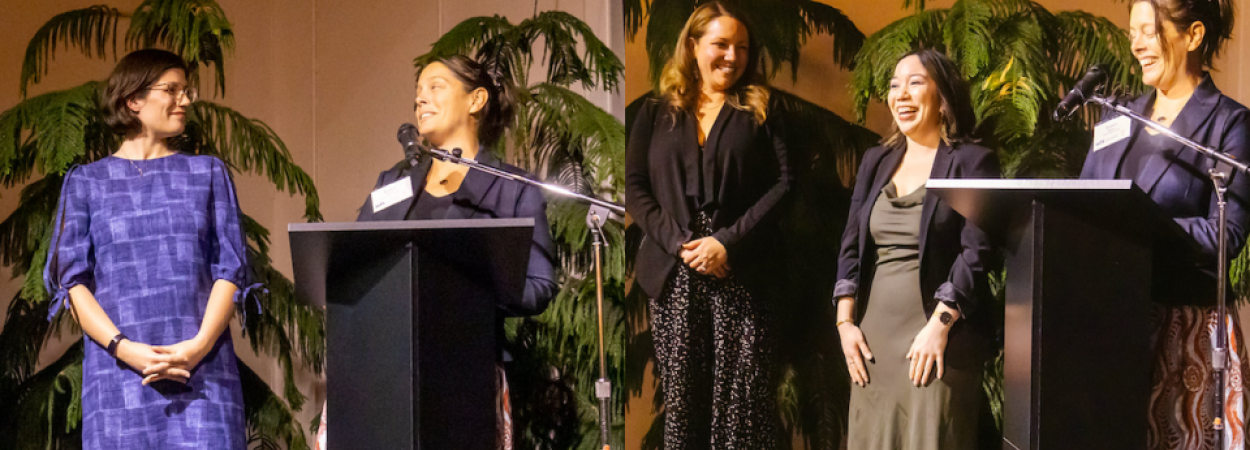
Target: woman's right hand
{"x": 855, "y": 348}
{"x": 143, "y": 358}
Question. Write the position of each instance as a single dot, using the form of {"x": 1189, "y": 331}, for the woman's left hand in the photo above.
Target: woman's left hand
{"x": 926, "y": 352}
{"x": 186, "y": 355}
{"x": 706, "y": 255}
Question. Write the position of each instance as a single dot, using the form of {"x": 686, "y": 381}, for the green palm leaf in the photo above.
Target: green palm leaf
{"x": 561, "y": 33}
{"x": 196, "y": 30}
{"x": 558, "y": 121}
{"x": 250, "y": 145}
{"x": 91, "y": 30}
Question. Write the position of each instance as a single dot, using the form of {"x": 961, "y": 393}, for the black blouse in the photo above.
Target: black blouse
{"x": 430, "y": 207}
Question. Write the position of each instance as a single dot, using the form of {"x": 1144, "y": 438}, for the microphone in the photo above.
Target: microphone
{"x": 409, "y": 138}
{"x": 1094, "y": 78}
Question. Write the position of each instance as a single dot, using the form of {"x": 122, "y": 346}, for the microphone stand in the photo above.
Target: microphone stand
{"x": 600, "y": 212}
{"x": 1219, "y": 178}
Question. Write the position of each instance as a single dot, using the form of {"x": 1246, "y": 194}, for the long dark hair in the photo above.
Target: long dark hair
{"x": 494, "y": 118}
{"x": 958, "y": 119}
{"x": 133, "y": 76}
{"x": 1216, "y": 15}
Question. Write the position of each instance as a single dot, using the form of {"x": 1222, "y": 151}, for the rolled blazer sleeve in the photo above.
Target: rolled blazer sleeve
{"x": 847, "y": 284}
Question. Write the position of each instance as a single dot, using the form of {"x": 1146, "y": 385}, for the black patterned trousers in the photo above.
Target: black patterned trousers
{"x": 712, "y": 344}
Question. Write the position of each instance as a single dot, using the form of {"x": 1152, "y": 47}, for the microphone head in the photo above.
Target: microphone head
{"x": 407, "y": 134}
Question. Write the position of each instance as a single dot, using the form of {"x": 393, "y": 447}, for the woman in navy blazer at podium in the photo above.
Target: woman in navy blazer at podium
{"x": 1175, "y": 41}
{"x": 912, "y": 272}
{"x": 464, "y": 104}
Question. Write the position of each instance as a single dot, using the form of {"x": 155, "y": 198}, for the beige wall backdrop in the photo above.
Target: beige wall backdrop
{"x": 823, "y": 82}
{"x": 334, "y": 78}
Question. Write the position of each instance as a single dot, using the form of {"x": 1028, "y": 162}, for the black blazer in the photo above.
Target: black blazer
{"x": 483, "y": 196}
{"x": 746, "y": 178}
{"x": 1176, "y": 179}
{"x": 955, "y": 255}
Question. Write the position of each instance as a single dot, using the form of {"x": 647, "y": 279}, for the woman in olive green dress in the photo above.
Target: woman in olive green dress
{"x": 911, "y": 272}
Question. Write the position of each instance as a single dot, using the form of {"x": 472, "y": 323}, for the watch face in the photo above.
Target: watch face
{"x": 946, "y": 318}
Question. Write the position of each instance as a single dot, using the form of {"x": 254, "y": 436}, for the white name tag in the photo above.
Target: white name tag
{"x": 1111, "y": 131}
{"x": 386, "y": 196}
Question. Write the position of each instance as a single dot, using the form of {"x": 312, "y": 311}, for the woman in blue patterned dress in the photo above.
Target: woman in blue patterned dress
{"x": 149, "y": 257}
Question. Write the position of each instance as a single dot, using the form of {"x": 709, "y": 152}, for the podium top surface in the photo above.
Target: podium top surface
{"x": 496, "y": 249}
{"x": 994, "y": 204}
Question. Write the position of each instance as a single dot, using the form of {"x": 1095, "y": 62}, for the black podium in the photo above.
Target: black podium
{"x": 411, "y": 328}
{"x": 1080, "y": 256}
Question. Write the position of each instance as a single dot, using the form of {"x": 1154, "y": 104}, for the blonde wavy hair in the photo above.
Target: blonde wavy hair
{"x": 679, "y": 82}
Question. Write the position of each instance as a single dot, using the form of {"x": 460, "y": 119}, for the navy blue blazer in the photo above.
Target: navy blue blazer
{"x": 1176, "y": 179}
{"x": 483, "y": 196}
{"x": 746, "y": 178}
{"x": 955, "y": 255}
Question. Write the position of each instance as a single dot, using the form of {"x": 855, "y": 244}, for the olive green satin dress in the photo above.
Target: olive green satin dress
{"x": 891, "y": 413}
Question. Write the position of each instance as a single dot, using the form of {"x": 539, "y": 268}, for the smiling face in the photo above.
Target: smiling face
{"x": 162, "y": 113}
{"x": 1160, "y": 69}
{"x": 913, "y": 99}
{"x": 443, "y": 107}
{"x": 722, "y": 53}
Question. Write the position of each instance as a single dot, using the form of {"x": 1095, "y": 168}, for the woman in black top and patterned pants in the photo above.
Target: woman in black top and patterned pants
{"x": 705, "y": 173}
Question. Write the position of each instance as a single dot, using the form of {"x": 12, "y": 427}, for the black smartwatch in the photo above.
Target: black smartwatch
{"x": 946, "y": 318}
{"x": 112, "y": 348}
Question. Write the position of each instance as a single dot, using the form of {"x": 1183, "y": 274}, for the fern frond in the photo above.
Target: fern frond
{"x": 824, "y": 19}
{"x": 196, "y": 30}
{"x": 559, "y": 120}
{"x": 561, "y": 33}
{"x": 269, "y": 423}
{"x": 92, "y": 30}
{"x": 47, "y": 132}
{"x": 248, "y": 145}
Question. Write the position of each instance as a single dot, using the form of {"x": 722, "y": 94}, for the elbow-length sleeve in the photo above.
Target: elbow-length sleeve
{"x": 774, "y": 130}
{"x": 540, "y": 278}
{"x": 227, "y": 252}
{"x": 71, "y": 256}
{"x": 640, "y": 200}
{"x": 847, "y": 284}
{"x": 968, "y": 274}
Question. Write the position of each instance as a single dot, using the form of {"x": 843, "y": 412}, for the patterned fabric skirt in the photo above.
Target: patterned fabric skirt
{"x": 1182, "y": 400}
{"x": 712, "y": 345}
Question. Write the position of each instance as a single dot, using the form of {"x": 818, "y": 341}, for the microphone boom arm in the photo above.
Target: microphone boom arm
{"x": 455, "y": 158}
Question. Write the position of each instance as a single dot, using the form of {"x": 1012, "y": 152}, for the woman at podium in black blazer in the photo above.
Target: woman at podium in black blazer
{"x": 463, "y": 104}
{"x": 705, "y": 173}
{"x": 912, "y": 272}
{"x": 1175, "y": 41}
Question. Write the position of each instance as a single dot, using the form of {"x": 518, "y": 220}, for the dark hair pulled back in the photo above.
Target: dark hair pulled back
{"x": 959, "y": 120}
{"x": 1217, "y": 17}
{"x": 496, "y": 117}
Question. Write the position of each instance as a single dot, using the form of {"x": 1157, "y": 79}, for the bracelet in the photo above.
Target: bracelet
{"x": 112, "y": 347}
{"x": 840, "y": 322}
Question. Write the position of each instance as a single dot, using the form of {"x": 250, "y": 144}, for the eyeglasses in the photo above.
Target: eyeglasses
{"x": 177, "y": 91}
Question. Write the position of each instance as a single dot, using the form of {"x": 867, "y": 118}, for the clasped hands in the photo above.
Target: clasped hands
{"x": 163, "y": 362}
{"x": 706, "y": 256}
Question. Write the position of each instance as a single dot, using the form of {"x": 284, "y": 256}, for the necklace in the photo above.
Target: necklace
{"x": 132, "y": 164}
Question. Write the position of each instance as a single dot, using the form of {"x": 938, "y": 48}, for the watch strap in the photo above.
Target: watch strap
{"x": 112, "y": 347}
